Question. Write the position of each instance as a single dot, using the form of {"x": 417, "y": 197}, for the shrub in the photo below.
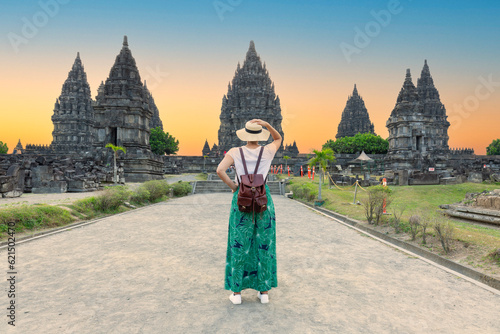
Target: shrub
{"x": 415, "y": 226}
{"x": 425, "y": 223}
{"x": 306, "y": 191}
{"x": 87, "y": 206}
{"x": 298, "y": 191}
{"x": 156, "y": 188}
{"x": 374, "y": 203}
{"x": 495, "y": 255}
{"x": 112, "y": 198}
{"x": 140, "y": 195}
{"x": 182, "y": 189}
{"x": 444, "y": 231}
{"x": 397, "y": 213}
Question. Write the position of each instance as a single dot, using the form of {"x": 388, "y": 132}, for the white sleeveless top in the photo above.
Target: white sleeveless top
{"x": 251, "y": 156}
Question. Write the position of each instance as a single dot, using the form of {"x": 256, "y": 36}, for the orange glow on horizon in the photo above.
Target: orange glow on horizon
{"x": 190, "y": 103}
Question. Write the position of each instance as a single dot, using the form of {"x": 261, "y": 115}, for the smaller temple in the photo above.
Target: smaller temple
{"x": 19, "y": 148}
{"x": 418, "y": 126}
{"x": 73, "y": 116}
{"x": 214, "y": 152}
{"x": 291, "y": 150}
{"x": 355, "y": 118}
{"x": 206, "y": 149}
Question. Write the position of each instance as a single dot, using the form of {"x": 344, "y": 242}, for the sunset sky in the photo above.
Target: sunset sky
{"x": 315, "y": 52}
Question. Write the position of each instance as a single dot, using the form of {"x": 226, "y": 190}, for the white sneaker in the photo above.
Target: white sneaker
{"x": 264, "y": 297}
{"x": 235, "y": 299}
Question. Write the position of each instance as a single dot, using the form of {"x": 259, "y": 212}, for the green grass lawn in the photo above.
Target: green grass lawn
{"x": 422, "y": 200}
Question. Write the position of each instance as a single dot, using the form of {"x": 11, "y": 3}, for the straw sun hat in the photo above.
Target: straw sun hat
{"x": 253, "y": 132}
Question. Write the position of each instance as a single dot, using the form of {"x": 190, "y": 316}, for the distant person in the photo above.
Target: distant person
{"x": 251, "y": 244}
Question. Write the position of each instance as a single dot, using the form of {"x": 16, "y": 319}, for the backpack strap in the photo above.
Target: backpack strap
{"x": 243, "y": 160}
{"x": 258, "y": 160}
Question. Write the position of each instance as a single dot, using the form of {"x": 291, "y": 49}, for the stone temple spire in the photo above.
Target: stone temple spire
{"x": 251, "y": 95}
{"x": 155, "y": 119}
{"x": 408, "y": 92}
{"x": 124, "y": 80}
{"x": 355, "y": 118}
{"x": 206, "y": 149}
{"x": 19, "y": 148}
{"x": 123, "y": 116}
{"x": 425, "y": 85}
{"x": 418, "y": 129}
{"x": 73, "y": 116}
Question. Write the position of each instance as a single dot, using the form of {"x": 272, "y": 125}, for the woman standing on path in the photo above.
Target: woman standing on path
{"x": 251, "y": 243}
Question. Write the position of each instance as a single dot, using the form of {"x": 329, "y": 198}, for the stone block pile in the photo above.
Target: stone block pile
{"x": 477, "y": 207}
{"x": 55, "y": 174}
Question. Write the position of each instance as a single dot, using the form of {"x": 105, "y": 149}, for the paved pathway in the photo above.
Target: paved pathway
{"x": 160, "y": 270}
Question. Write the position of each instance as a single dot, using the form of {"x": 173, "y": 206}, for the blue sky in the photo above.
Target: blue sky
{"x": 300, "y": 41}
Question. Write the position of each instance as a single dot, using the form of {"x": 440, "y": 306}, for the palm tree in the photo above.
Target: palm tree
{"x": 204, "y": 169}
{"x": 286, "y": 157}
{"x": 115, "y": 155}
{"x": 321, "y": 158}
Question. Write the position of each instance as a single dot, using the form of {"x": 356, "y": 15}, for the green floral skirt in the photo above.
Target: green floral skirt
{"x": 251, "y": 248}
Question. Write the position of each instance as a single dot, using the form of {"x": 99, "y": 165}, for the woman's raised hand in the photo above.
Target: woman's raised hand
{"x": 260, "y": 122}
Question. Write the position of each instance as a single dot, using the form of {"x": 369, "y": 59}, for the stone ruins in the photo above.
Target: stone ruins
{"x": 124, "y": 112}
{"x": 355, "y": 118}
{"x": 53, "y": 173}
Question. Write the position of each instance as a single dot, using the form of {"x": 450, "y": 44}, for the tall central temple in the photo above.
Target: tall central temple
{"x": 251, "y": 95}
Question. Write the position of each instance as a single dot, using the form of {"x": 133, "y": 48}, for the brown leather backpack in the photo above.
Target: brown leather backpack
{"x": 252, "y": 194}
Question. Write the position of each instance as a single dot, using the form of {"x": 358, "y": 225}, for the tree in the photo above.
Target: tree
{"x": 3, "y": 148}
{"x": 286, "y": 157}
{"x": 492, "y": 149}
{"x": 367, "y": 142}
{"x": 162, "y": 143}
{"x": 115, "y": 155}
{"x": 321, "y": 158}
{"x": 374, "y": 204}
{"x": 204, "y": 158}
